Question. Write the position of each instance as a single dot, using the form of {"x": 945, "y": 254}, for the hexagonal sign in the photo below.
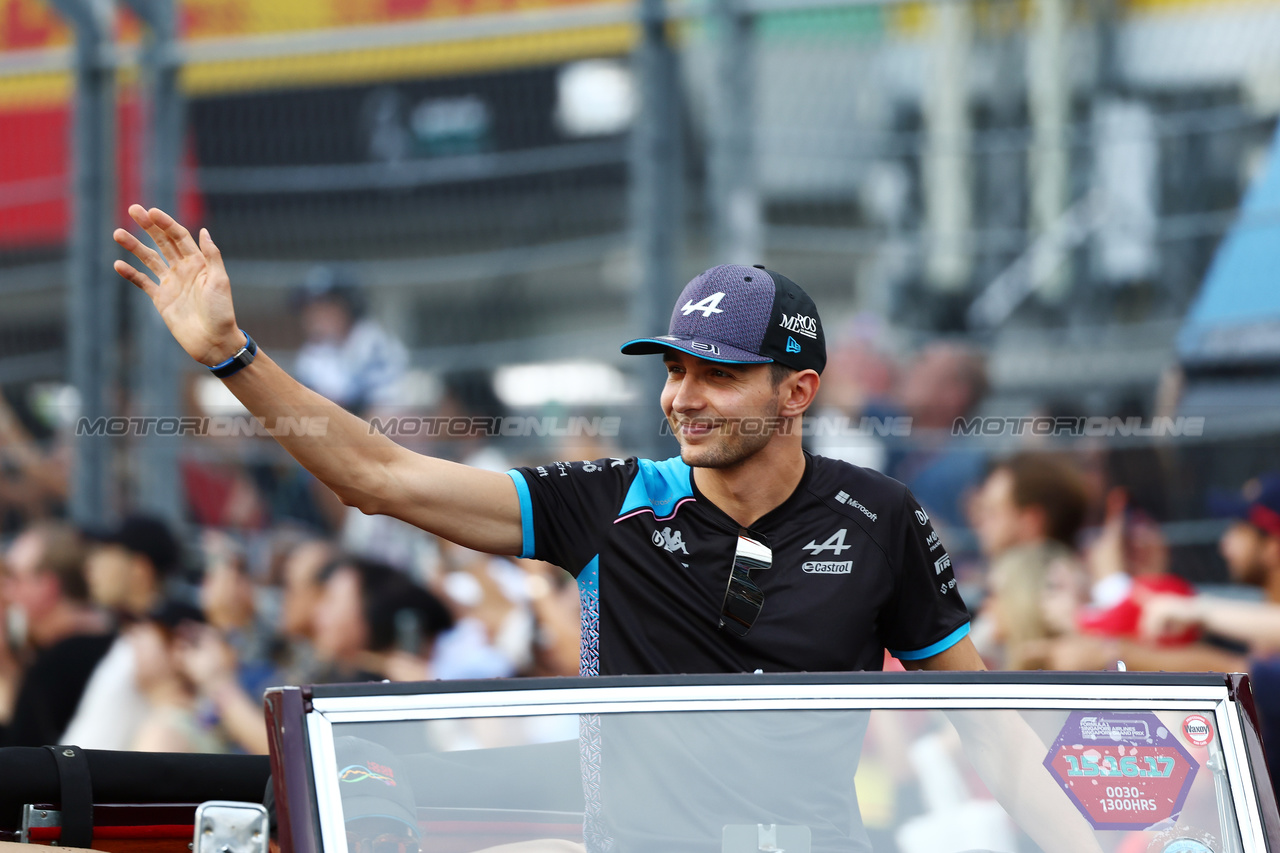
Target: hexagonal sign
{"x": 1123, "y": 770}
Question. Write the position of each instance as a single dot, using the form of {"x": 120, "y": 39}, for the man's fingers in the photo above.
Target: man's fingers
{"x": 211, "y": 252}
{"x": 156, "y": 232}
{"x": 140, "y": 216}
{"x": 175, "y": 231}
{"x": 137, "y": 279}
{"x": 149, "y": 256}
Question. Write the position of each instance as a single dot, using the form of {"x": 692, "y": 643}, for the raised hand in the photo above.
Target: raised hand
{"x": 193, "y": 295}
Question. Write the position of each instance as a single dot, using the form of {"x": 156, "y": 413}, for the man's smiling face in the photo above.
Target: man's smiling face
{"x": 722, "y": 414}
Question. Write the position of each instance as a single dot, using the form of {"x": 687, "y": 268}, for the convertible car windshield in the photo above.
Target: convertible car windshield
{"x": 915, "y": 763}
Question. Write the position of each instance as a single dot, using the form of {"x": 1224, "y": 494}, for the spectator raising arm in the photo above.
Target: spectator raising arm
{"x": 209, "y": 662}
{"x": 1253, "y": 623}
{"x": 475, "y": 508}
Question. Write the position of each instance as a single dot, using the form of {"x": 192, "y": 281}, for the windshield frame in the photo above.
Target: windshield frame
{"x": 1211, "y": 694}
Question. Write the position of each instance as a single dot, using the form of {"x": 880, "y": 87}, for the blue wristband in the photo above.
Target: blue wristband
{"x": 242, "y": 359}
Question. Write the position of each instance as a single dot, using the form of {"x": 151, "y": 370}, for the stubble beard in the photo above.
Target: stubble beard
{"x": 730, "y": 449}
{"x": 728, "y": 453}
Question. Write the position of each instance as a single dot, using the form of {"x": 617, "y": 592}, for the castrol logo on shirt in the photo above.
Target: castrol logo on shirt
{"x": 1198, "y": 729}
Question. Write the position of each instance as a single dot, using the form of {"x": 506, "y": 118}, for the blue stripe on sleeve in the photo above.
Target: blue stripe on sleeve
{"x": 937, "y": 648}
{"x": 526, "y": 513}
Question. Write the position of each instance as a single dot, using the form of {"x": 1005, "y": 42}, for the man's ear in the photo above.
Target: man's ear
{"x": 798, "y": 392}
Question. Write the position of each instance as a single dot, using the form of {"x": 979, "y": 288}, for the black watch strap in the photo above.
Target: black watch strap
{"x": 242, "y": 359}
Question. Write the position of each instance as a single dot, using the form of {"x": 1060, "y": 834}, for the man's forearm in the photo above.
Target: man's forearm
{"x": 472, "y": 507}
{"x": 1196, "y": 657}
{"x": 330, "y": 442}
{"x": 1245, "y": 622}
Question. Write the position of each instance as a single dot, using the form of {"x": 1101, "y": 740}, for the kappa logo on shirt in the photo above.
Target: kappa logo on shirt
{"x": 834, "y": 544}
{"x": 671, "y": 540}
{"x": 590, "y": 466}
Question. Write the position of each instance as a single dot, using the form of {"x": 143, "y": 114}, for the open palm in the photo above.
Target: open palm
{"x": 193, "y": 295}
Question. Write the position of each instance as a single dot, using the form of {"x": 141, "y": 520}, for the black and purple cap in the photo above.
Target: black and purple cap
{"x": 373, "y": 783}
{"x": 743, "y": 315}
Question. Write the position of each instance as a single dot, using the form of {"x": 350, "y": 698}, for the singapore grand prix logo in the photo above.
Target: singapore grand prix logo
{"x": 369, "y": 772}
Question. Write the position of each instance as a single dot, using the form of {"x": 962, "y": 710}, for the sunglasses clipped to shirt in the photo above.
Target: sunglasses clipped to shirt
{"x": 743, "y": 599}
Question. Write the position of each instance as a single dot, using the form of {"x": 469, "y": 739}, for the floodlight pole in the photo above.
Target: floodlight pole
{"x": 657, "y": 207}
{"x": 1049, "y": 166}
{"x": 948, "y": 180}
{"x": 93, "y": 288}
{"x": 155, "y": 370}
{"x": 737, "y": 228}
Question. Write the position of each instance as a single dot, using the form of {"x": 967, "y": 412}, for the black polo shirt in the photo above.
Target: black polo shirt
{"x": 857, "y": 568}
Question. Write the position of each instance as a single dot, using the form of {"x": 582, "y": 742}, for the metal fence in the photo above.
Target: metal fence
{"x": 519, "y": 183}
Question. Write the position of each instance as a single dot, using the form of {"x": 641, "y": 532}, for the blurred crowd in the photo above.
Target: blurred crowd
{"x": 142, "y": 636}
{"x": 125, "y": 639}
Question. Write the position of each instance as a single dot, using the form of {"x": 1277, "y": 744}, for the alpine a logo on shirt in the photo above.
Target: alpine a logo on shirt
{"x": 672, "y": 540}
{"x": 708, "y": 305}
{"x": 834, "y": 544}
{"x": 942, "y": 563}
{"x": 830, "y": 568}
{"x": 800, "y": 324}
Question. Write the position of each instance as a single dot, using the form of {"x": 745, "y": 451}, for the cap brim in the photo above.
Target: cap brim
{"x": 354, "y": 808}
{"x": 703, "y": 348}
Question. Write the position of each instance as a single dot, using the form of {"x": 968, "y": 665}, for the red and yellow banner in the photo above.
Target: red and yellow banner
{"x": 35, "y": 110}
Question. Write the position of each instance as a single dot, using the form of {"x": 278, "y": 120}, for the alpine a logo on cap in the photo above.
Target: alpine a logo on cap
{"x": 707, "y": 306}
